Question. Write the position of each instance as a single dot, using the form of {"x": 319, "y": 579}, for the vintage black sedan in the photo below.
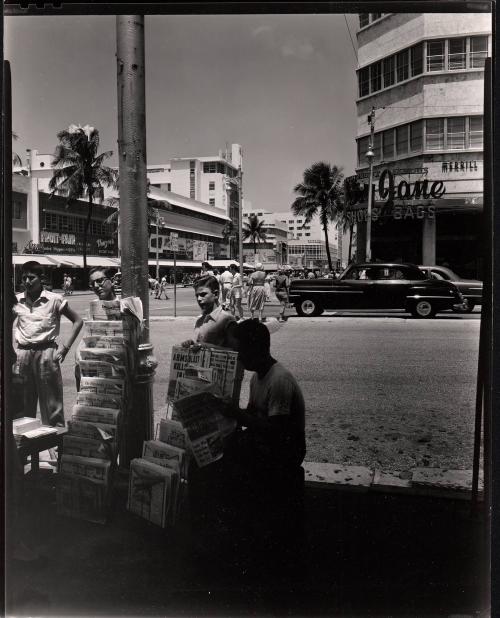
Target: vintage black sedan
{"x": 472, "y": 289}
{"x": 376, "y": 286}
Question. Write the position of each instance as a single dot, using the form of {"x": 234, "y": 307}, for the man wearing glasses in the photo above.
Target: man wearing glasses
{"x": 39, "y": 349}
{"x": 102, "y": 286}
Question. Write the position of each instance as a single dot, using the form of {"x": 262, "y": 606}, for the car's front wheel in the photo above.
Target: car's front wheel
{"x": 308, "y": 308}
{"x": 423, "y": 309}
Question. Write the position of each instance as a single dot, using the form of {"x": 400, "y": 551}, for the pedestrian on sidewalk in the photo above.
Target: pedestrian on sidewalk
{"x": 163, "y": 288}
{"x": 226, "y": 282}
{"x": 39, "y": 349}
{"x": 214, "y": 325}
{"x": 236, "y": 293}
{"x": 256, "y": 291}
{"x": 281, "y": 289}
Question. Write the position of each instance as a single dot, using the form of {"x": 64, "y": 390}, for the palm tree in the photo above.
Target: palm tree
{"x": 16, "y": 159}
{"x": 254, "y": 229}
{"x": 79, "y": 171}
{"x": 321, "y": 193}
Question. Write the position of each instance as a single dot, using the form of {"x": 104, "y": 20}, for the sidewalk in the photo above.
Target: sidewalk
{"x": 366, "y": 553}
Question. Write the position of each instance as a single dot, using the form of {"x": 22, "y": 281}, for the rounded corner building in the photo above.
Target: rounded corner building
{"x": 420, "y": 108}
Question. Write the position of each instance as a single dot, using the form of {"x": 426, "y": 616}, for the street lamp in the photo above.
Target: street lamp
{"x": 370, "y": 155}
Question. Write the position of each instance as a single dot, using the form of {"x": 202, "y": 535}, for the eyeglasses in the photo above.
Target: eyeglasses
{"x": 98, "y": 282}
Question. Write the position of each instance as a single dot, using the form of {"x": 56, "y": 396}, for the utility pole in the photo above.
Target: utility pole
{"x": 240, "y": 219}
{"x": 130, "y": 58}
{"x": 157, "y": 240}
{"x": 370, "y": 155}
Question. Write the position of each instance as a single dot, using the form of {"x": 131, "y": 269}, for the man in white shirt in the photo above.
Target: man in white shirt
{"x": 225, "y": 281}
{"x": 214, "y": 326}
{"x": 39, "y": 350}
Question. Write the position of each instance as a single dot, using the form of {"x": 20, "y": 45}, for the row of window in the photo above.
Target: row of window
{"x": 52, "y": 222}
{"x": 215, "y": 167}
{"x": 429, "y": 56}
{"x": 455, "y": 133}
{"x": 368, "y": 18}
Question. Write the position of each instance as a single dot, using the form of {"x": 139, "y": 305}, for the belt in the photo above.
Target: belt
{"x": 43, "y": 345}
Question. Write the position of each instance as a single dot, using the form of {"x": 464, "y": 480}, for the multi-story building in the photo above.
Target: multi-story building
{"x": 420, "y": 84}
{"x": 48, "y": 227}
{"x": 309, "y": 253}
{"x": 271, "y": 252}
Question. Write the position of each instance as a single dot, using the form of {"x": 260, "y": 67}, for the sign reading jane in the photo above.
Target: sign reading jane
{"x": 390, "y": 192}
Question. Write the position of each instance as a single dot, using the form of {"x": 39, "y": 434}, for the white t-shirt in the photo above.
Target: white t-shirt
{"x": 276, "y": 394}
{"x": 226, "y": 278}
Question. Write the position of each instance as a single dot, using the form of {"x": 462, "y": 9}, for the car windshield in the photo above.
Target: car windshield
{"x": 381, "y": 272}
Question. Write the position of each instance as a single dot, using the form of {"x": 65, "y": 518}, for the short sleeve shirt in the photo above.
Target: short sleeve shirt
{"x": 278, "y": 394}
{"x": 226, "y": 277}
{"x": 212, "y": 328}
{"x": 257, "y": 278}
{"x": 39, "y": 323}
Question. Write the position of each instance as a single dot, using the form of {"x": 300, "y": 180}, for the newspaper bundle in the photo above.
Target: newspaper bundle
{"x": 106, "y": 358}
{"x": 151, "y": 491}
{"x": 206, "y": 365}
{"x": 199, "y": 415}
{"x": 170, "y": 456}
{"x": 172, "y": 432}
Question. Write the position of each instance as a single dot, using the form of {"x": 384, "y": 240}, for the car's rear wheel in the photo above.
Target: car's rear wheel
{"x": 468, "y": 307}
{"x": 308, "y": 307}
{"x": 423, "y": 309}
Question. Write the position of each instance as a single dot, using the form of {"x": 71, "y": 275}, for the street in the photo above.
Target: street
{"x": 385, "y": 391}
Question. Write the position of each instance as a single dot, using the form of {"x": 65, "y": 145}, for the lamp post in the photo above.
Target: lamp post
{"x": 370, "y": 155}
{"x": 240, "y": 219}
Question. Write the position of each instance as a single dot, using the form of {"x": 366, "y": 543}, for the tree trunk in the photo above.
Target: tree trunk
{"x": 85, "y": 236}
{"x": 327, "y": 247}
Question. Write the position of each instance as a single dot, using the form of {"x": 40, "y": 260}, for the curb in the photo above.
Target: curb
{"x": 430, "y": 482}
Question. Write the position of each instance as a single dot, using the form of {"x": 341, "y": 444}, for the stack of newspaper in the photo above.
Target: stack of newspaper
{"x": 157, "y": 482}
{"x": 106, "y": 359}
{"x": 199, "y": 377}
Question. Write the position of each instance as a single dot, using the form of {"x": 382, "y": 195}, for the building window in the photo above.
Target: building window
{"x": 192, "y": 180}
{"x": 416, "y": 135}
{"x": 210, "y": 168}
{"x": 475, "y": 132}
{"x": 455, "y": 133}
{"x": 364, "y": 82}
{"x": 389, "y": 71}
{"x": 299, "y": 235}
{"x": 435, "y": 55}
{"x": 417, "y": 59}
{"x": 478, "y": 51}
{"x": 376, "y": 16}
{"x": 388, "y": 145}
{"x": 211, "y": 201}
{"x": 291, "y": 220}
{"x": 169, "y": 186}
{"x": 307, "y": 234}
{"x": 299, "y": 220}
{"x": 456, "y": 54}
{"x": 434, "y": 134}
{"x": 402, "y": 65}
{"x": 402, "y": 140}
{"x": 364, "y": 19}
{"x": 211, "y": 186}
{"x": 376, "y": 76}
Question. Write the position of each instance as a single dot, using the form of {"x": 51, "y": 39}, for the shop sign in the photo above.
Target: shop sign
{"x": 31, "y": 247}
{"x": 425, "y": 189}
{"x": 459, "y": 166}
{"x": 54, "y": 238}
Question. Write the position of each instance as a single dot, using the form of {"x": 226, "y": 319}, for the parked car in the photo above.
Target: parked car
{"x": 376, "y": 286}
{"x": 472, "y": 289}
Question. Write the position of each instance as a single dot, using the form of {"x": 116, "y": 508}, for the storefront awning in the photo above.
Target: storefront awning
{"x": 41, "y": 259}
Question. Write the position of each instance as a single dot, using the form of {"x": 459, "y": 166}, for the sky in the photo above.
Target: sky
{"x": 282, "y": 86}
